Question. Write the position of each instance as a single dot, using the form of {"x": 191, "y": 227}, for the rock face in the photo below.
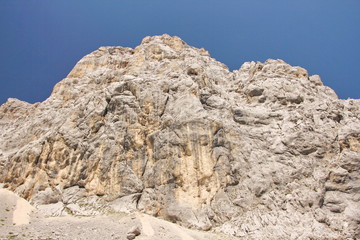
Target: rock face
{"x": 263, "y": 152}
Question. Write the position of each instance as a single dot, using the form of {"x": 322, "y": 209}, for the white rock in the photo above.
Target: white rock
{"x": 262, "y": 152}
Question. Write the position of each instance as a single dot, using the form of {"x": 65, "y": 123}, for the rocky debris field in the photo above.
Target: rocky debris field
{"x": 114, "y": 226}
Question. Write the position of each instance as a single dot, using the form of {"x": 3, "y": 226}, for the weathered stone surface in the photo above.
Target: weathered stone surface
{"x": 263, "y": 152}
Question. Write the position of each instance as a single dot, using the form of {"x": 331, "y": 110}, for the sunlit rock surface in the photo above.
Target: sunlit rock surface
{"x": 263, "y": 152}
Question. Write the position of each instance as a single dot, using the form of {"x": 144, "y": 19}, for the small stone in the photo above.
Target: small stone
{"x": 130, "y": 236}
{"x": 135, "y": 230}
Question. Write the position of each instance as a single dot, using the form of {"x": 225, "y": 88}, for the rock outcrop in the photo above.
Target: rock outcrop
{"x": 263, "y": 152}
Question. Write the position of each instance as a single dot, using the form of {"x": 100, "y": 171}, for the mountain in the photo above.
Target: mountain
{"x": 263, "y": 152}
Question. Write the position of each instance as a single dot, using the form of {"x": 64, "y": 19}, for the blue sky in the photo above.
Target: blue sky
{"x": 41, "y": 40}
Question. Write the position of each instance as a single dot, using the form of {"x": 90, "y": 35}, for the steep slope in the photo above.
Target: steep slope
{"x": 262, "y": 152}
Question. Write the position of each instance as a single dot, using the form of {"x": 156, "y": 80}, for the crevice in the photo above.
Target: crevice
{"x": 163, "y": 111}
{"x": 138, "y": 197}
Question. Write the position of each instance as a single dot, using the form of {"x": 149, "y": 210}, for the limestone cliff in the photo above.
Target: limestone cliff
{"x": 263, "y": 152}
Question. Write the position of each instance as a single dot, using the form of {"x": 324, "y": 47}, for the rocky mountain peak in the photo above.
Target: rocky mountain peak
{"x": 266, "y": 151}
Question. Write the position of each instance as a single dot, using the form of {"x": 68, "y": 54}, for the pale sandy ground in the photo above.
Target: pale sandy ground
{"x": 19, "y": 220}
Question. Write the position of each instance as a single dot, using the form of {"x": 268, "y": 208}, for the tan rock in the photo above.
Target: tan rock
{"x": 263, "y": 152}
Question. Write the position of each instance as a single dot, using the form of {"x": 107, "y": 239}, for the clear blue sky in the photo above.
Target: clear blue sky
{"x": 41, "y": 40}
